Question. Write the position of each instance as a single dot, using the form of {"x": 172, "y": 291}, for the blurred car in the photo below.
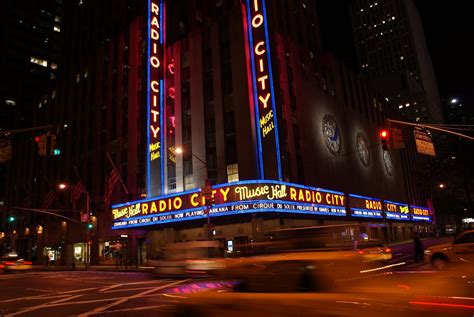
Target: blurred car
{"x": 298, "y": 288}
{"x": 188, "y": 258}
{"x": 460, "y": 251}
{"x": 12, "y": 262}
{"x": 374, "y": 250}
{"x": 306, "y": 288}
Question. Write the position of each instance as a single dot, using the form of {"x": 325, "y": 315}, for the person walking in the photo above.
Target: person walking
{"x": 418, "y": 249}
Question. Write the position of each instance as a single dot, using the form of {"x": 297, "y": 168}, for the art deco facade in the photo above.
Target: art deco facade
{"x": 324, "y": 119}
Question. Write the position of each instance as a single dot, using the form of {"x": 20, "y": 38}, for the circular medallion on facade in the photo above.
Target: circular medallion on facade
{"x": 331, "y": 134}
{"x": 387, "y": 162}
{"x": 363, "y": 149}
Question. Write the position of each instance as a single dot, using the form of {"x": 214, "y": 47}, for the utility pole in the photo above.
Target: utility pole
{"x": 431, "y": 127}
{"x": 10, "y": 132}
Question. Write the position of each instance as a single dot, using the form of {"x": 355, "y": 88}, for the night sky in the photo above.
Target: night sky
{"x": 449, "y": 31}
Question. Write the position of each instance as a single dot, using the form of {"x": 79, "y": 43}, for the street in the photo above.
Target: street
{"x": 83, "y": 293}
{"x": 108, "y": 293}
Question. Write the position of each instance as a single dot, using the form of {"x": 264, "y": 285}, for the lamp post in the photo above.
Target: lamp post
{"x": 179, "y": 150}
{"x": 63, "y": 186}
{"x": 206, "y": 190}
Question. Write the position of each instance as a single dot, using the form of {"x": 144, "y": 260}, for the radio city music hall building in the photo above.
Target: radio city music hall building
{"x": 286, "y": 134}
{"x": 236, "y": 92}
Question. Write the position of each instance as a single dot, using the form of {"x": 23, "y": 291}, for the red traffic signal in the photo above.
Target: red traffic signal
{"x": 37, "y": 139}
{"x": 384, "y": 134}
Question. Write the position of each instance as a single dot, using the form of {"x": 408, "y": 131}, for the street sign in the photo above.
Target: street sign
{"x": 424, "y": 144}
{"x": 84, "y": 217}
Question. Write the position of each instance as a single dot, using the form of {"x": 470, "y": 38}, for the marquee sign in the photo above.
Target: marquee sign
{"x": 366, "y": 207}
{"x": 262, "y": 90}
{"x": 234, "y": 198}
{"x": 396, "y": 211}
{"x": 155, "y": 90}
{"x": 420, "y": 213}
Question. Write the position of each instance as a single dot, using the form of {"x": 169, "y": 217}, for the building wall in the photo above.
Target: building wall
{"x": 100, "y": 110}
{"x": 389, "y": 39}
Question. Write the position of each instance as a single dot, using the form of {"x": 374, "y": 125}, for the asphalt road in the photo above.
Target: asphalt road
{"x": 85, "y": 294}
{"x": 101, "y": 293}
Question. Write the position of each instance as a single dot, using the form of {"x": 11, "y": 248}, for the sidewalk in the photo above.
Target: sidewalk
{"x": 410, "y": 241}
{"x": 110, "y": 268}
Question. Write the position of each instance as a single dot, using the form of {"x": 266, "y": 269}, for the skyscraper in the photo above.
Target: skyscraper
{"x": 392, "y": 53}
{"x": 29, "y": 52}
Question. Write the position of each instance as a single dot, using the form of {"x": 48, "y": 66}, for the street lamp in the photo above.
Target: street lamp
{"x": 206, "y": 190}
{"x": 454, "y": 100}
{"x": 442, "y": 186}
{"x": 179, "y": 150}
{"x": 63, "y": 186}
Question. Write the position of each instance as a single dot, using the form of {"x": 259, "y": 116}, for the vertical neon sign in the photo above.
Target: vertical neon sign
{"x": 155, "y": 90}
{"x": 268, "y": 146}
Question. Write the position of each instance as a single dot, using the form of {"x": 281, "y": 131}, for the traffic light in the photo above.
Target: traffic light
{"x": 47, "y": 144}
{"x": 11, "y": 218}
{"x": 384, "y": 135}
{"x": 90, "y": 225}
{"x": 41, "y": 140}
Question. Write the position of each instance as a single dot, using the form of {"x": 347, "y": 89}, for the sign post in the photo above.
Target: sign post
{"x": 424, "y": 144}
{"x": 207, "y": 194}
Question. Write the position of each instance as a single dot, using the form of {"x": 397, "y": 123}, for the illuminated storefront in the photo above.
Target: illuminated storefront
{"x": 396, "y": 211}
{"x": 365, "y": 207}
{"x": 420, "y": 213}
{"x": 255, "y": 196}
{"x": 267, "y": 194}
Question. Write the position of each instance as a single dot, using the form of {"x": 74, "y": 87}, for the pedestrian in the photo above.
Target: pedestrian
{"x": 418, "y": 249}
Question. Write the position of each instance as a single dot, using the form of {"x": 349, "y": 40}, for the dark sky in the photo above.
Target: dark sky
{"x": 449, "y": 31}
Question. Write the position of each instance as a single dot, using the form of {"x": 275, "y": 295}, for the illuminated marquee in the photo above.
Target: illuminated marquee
{"x": 420, "y": 213}
{"x": 155, "y": 90}
{"x": 396, "y": 211}
{"x": 236, "y": 198}
{"x": 263, "y": 99}
{"x": 366, "y": 207}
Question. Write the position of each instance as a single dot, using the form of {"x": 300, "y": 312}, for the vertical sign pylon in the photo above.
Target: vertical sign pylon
{"x": 258, "y": 45}
{"x": 155, "y": 90}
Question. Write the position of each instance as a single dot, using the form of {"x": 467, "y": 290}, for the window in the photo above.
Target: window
{"x": 233, "y": 172}
{"x": 188, "y": 182}
{"x": 39, "y": 61}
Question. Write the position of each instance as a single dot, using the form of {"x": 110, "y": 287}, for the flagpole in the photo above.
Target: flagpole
{"x": 52, "y": 188}
{"x": 80, "y": 179}
{"x": 118, "y": 173}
